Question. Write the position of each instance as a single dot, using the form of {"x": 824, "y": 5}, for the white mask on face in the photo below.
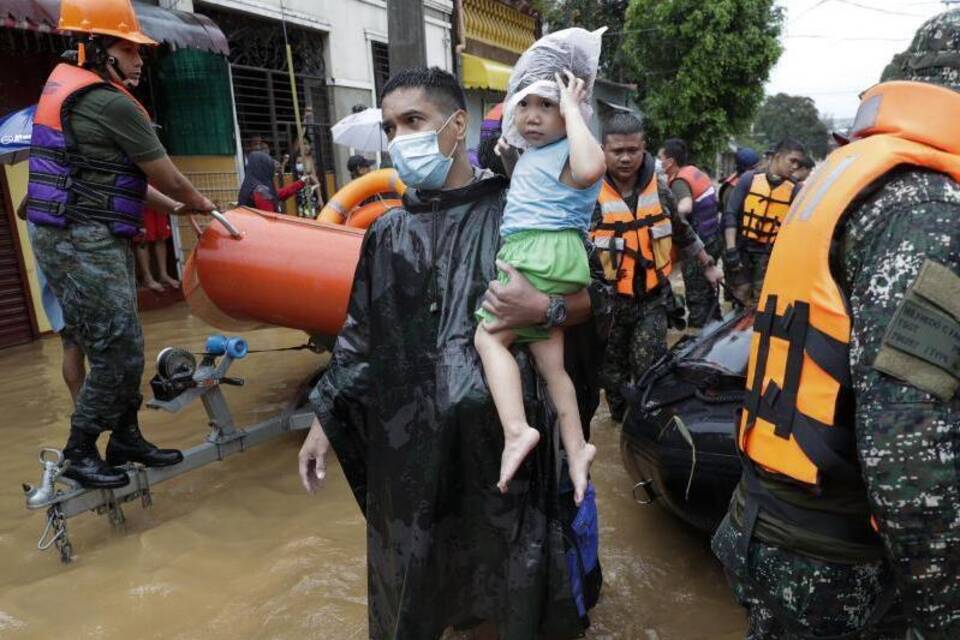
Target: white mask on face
{"x": 418, "y": 159}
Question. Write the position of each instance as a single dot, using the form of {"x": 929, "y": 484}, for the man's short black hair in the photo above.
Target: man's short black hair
{"x": 621, "y": 123}
{"x": 440, "y": 87}
{"x": 806, "y": 162}
{"x": 676, "y": 149}
{"x": 789, "y": 145}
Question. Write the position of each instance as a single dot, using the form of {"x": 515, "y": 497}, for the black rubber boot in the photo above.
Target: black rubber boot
{"x": 127, "y": 444}
{"x": 87, "y": 467}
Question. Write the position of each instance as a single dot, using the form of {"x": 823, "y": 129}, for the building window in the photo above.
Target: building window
{"x": 261, "y": 84}
{"x": 194, "y": 108}
{"x": 381, "y": 66}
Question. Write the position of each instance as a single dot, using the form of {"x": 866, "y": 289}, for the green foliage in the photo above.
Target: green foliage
{"x": 590, "y": 15}
{"x": 701, "y": 66}
{"x": 784, "y": 116}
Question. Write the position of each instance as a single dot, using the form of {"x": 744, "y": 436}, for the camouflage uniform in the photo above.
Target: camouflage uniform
{"x": 638, "y": 335}
{"x": 753, "y": 267}
{"x": 907, "y": 440}
{"x": 702, "y": 297}
{"x": 91, "y": 272}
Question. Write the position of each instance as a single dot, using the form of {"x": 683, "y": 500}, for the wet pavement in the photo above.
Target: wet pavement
{"x": 237, "y": 550}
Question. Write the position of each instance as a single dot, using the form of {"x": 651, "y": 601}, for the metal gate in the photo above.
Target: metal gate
{"x": 264, "y": 107}
{"x": 261, "y": 84}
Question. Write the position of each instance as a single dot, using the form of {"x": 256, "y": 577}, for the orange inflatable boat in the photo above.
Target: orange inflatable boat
{"x": 283, "y": 271}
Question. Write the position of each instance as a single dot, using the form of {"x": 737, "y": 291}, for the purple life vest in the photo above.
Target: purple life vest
{"x": 55, "y": 164}
{"x": 705, "y": 217}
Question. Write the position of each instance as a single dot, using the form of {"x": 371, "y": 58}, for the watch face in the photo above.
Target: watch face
{"x": 557, "y": 311}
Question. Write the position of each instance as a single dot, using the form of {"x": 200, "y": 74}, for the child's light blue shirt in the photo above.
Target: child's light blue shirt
{"x": 538, "y": 200}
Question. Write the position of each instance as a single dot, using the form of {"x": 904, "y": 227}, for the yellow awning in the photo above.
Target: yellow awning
{"x": 480, "y": 73}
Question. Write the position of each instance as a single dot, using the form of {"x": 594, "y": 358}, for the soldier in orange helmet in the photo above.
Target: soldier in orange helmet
{"x": 93, "y": 150}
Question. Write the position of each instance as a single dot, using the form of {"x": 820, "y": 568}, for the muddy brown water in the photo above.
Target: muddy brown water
{"x": 237, "y": 550}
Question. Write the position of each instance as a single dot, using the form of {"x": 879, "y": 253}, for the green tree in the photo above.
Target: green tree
{"x": 590, "y": 15}
{"x": 784, "y": 116}
{"x": 701, "y": 66}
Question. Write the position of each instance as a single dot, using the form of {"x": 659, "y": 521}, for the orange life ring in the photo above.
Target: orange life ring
{"x": 356, "y": 191}
{"x": 362, "y": 217}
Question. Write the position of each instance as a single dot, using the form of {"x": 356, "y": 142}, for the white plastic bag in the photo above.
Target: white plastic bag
{"x": 575, "y": 49}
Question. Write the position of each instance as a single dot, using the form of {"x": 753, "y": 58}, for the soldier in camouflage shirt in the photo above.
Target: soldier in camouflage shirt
{"x": 908, "y": 440}
{"x": 638, "y": 335}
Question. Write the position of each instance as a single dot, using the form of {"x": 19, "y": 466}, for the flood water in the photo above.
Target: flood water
{"x": 237, "y": 550}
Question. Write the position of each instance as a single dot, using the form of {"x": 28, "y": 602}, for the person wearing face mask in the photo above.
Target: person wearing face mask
{"x": 93, "y": 150}
{"x": 405, "y": 407}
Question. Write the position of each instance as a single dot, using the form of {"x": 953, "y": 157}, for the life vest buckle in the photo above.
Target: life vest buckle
{"x": 787, "y": 318}
{"x": 771, "y": 394}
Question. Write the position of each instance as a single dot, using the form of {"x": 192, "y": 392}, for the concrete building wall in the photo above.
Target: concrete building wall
{"x": 350, "y": 27}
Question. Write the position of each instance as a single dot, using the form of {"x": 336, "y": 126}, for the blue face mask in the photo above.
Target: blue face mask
{"x": 418, "y": 160}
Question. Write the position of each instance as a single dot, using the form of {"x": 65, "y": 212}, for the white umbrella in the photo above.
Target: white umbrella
{"x": 361, "y": 131}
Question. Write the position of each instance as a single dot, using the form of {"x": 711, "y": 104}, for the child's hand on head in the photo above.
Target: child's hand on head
{"x": 573, "y": 91}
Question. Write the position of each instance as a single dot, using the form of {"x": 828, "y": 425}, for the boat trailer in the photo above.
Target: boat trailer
{"x": 179, "y": 381}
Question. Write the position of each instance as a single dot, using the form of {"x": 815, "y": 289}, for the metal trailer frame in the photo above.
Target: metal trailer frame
{"x": 63, "y": 498}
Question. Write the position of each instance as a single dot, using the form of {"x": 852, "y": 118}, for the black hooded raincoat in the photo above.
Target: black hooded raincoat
{"x": 407, "y": 411}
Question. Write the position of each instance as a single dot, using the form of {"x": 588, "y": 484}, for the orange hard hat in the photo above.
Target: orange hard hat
{"x": 103, "y": 17}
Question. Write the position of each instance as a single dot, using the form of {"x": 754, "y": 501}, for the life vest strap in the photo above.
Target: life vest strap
{"x": 758, "y": 498}
{"x": 65, "y": 157}
{"x": 620, "y": 227}
{"x": 767, "y": 198}
{"x": 79, "y": 213}
{"x": 638, "y": 257}
{"x": 763, "y": 228}
{"x": 823, "y": 444}
{"x": 86, "y": 188}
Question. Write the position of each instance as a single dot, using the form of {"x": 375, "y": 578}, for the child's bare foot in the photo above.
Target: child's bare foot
{"x": 515, "y": 449}
{"x": 153, "y": 285}
{"x": 578, "y": 464}
{"x": 171, "y": 282}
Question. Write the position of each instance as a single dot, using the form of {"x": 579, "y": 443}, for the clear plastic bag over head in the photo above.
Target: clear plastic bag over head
{"x": 575, "y": 49}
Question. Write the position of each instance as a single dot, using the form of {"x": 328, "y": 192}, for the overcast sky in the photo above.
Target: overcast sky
{"x": 833, "y": 49}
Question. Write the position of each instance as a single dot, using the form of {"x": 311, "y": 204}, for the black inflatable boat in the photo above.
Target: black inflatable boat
{"x": 678, "y": 440}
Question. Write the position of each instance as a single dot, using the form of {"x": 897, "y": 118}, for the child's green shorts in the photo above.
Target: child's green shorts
{"x": 555, "y": 262}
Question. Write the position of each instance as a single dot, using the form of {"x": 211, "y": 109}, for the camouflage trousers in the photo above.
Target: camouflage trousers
{"x": 702, "y": 301}
{"x": 789, "y": 596}
{"x": 91, "y": 272}
{"x": 747, "y": 281}
{"x": 638, "y": 336}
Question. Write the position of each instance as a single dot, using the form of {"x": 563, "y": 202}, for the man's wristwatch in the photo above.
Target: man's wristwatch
{"x": 556, "y": 312}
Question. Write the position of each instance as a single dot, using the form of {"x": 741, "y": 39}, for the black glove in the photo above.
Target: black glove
{"x": 731, "y": 259}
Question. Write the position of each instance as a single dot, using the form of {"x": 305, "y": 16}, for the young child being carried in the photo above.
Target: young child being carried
{"x": 553, "y": 191}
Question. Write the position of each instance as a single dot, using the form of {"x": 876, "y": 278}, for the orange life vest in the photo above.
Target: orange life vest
{"x": 764, "y": 209}
{"x": 634, "y": 243}
{"x": 795, "y": 421}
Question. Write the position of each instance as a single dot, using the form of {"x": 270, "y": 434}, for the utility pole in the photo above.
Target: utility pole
{"x": 405, "y": 33}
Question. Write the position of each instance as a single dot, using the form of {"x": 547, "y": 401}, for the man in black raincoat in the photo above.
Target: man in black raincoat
{"x": 404, "y": 403}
